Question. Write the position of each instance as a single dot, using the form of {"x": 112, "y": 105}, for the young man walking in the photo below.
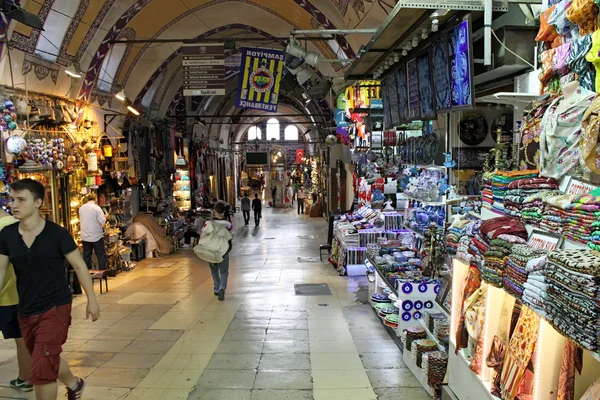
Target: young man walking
{"x": 92, "y": 232}
{"x": 9, "y": 320}
{"x": 246, "y": 208}
{"x": 274, "y": 195}
{"x": 38, "y": 249}
{"x": 220, "y": 271}
{"x": 301, "y": 197}
{"x": 257, "y": 207}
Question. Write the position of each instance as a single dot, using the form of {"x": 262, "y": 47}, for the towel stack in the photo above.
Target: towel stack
{"x": 579, "y": 217}
{"x": 516, "y": 274}
{"x": 535, "y": 289}
{"x": 532, "y": 211}
{"x": 521, "y": 189}
{"x": 464, "y": 243}
{"x": 454, "y": 234}
{"x": 572, "y": 304}
{"x": 487, "y": 191}
{"x": 554, "y": 211}
{"x": 500, "y": 185}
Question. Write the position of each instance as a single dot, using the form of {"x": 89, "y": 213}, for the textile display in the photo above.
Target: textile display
{"x": 593, "y": 392}
{"x": 519, "y": 352}
{"x": 571, "y": 362}
{"x": 470, "y": 285}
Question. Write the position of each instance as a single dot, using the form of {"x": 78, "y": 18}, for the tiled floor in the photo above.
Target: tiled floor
{"x": 163, "y": 334}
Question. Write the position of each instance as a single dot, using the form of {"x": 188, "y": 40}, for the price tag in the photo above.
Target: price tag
{"x": 543, "y": 240}
{"x": 578, "y": 187}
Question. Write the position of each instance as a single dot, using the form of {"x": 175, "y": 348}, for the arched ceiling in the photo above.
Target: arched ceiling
{"x": 96, "y": 24}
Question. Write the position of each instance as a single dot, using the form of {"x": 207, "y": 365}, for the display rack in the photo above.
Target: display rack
{"x": 182, "y": 191}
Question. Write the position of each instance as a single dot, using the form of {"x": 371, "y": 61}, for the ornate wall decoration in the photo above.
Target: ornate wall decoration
{"x": 342, "y": 5}
{"x": 27, "y": 44}
{"x": 93, "y": 29}
{"x": 128, "y": 33}
{"x": 359, "y": 7}
{"x": 41, "y": 68}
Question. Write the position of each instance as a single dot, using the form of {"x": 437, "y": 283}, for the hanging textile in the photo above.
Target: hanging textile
{"x": 495, "y": 358}
{"x": 571, "y": 361}
{"x": 520, "y": 350}
{"x": 470, "y": 285}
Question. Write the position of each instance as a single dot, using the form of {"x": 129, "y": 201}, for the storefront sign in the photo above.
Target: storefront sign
{"x": 260, "y": 77}
{"x": 441, "y": 78}
{"x": 426, "y": 99}
{"x": 203, "y": 69}
{"x": 461, "y": 68}
{"x": 412, "y": 79}
{"x": 577, "y": 187}
{"x": 402, "y": 93}
{"x": 543, "y": 240}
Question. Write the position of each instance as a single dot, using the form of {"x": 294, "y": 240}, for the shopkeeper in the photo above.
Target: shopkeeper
{"x": 92, "y": 232}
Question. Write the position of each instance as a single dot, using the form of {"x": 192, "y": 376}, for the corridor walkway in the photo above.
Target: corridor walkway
{"x": 163, "y": 335}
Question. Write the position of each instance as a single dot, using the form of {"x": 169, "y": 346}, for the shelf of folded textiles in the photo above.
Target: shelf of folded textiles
{"x": 427, "y": 203}
{"x": 432, "y": 336}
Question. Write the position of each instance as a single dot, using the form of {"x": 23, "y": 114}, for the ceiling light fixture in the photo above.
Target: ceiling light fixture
{"x": 73, "y": 72}
{"x": 121, "y": 95}
{"x": 133, "y": 110}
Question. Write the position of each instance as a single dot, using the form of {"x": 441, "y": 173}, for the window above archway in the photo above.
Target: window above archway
{"x": 291, "y": 132}
{"x": 110, "y": 66}
{"x": 273, "y": 129}
{"x": 55, "y": 28}
{"x": 254, "y": 133}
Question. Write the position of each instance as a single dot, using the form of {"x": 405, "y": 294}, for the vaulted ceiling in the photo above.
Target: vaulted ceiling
{"x": 152, "y": 70}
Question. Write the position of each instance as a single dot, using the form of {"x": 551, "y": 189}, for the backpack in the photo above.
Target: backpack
{"x": 213, "y": 242}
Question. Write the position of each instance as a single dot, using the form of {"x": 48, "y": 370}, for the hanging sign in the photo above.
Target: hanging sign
{"x": 578, "y": 187}
{"x": 299, "y": 156}
{"x": 203, "y": 69}
{"x": 412, "y": 78}
{"x": 441, "y": 77}
{"x": 461, "y": 65}
{"x": 260, "y": 77}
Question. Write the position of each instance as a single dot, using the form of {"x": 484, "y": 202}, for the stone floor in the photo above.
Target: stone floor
{"x": 163, "y": 334}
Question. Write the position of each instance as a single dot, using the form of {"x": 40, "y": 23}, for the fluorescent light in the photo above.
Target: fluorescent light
{"x": 133, "y": 110}
{"x": 121, "y": 95}
{"x": 72, "y": 72}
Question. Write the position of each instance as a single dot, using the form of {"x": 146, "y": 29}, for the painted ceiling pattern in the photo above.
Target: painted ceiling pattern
{"x": 151, "y": 19}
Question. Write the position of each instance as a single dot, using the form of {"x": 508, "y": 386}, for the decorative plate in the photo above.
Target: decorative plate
{"x": 472, "y": 129}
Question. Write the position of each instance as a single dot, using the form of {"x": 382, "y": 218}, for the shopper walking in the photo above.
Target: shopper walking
{"x": 246, "y": 207}
{"x": 9, "y": 320}
{"x": 220, "y": 271}
{"x": 257, "y": 208}
{"x": 274, "y": 195}
{"x": 289, "y": 193}
{"x": 92, "y": 232}
{"x": 301, "y": 197}
{"x": 38, "y": 249}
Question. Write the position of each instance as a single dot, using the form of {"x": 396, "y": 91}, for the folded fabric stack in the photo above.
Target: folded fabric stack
{"x": 520, "y": 189}
{"x": 554, "y": 211}
{"x": 515, "y": 273}
{"x": 572, "y": 303}
{"x": 501, "y": 233}
{"x": 468, "y": 232}
{"x": 532, "y": 211}
{"x": 579, "y": 218}
{"x": 454, "y": 234}
{"x": 535, "y": 289}
{"x": 487, "y": 192}
{"x": 500, "y": 185}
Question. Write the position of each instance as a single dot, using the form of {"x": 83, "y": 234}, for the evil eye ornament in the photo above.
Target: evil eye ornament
{"x": 418, "y": 305}
{"x": 436, "y": 289}
{"x": 407, "y": 288}
{"x": 422, "y": 288}
{"x": 407, "y": 305}
{"x": 417, "y": 315}
{"x": 429, "y": 304}
{"x": 406, "y": 316}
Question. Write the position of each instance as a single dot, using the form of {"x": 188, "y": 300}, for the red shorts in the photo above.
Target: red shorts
{"x": 44, "y": 336}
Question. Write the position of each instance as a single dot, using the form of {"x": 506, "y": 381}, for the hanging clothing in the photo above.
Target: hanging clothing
{"x": 577, "y": 62}
{"x": 593, "y": 56}
{"x": 520, "y": 349}
{"x": 561, "y": 135}
{"x": 571, "y": 362}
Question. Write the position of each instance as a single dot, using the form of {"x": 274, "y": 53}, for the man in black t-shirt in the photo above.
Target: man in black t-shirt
{"x": 257, "y": 207}
{"x": 38, "y": 249}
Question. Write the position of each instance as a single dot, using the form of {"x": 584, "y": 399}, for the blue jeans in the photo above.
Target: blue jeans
{"x": 220, "y": 273}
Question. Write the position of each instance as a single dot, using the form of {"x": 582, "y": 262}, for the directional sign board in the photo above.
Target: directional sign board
{"x": 203, "y": 69}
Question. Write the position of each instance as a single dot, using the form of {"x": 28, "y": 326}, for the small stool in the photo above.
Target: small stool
{"x": 100, "y": 275}
{"x": 323, "y": 247}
